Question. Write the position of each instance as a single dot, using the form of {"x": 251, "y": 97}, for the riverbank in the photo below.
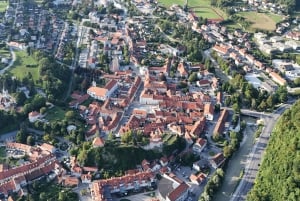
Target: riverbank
{"x": 236, "y": 164}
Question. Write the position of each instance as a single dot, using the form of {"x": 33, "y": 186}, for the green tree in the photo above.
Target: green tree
{"x": 21, "y": 136}
{"x": 193, "y": 77}
{"x": 69, "y": 115}
{"x": 30, "y": 140}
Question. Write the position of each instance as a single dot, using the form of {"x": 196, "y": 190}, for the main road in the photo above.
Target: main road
{"x": 256, "y": 155}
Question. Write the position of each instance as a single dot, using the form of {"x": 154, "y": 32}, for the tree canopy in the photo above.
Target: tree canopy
{"x": 279, "y": 174}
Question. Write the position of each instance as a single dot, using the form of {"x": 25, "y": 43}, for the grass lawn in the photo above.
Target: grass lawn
{"x": 260, "y": 20}
{"x": 55, "y": 114}
{"x": 19, "y": 68}
{"x": 4, "y": 53}
{"x": 3, "y": 5}
{"x": 205, "y": 12}
{"x": 276, "y": 18}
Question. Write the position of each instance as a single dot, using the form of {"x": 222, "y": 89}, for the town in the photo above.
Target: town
{"x": 131, "y": 100}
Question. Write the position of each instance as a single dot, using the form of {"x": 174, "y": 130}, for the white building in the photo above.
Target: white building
{"x": 103, "y": 93}
{"x": 33, "y": 116}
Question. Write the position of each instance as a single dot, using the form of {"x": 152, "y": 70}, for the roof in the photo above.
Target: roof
{"x": 218, "y": 159}
{"x": 33, "y": 114}
{"x": 110, "y": 84}
{"x": 70, "y": 181}
{"x": 97, "y": 91}
{"x": 98, "y": 142}
{"x": 177, "y": 192}
{"x": 201, "y": 141}
{"x": 47, "y": 147}
{"x": 208, "y": 109}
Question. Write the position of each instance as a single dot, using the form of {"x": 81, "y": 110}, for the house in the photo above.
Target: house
{"x": 217, "y": 160}
{"x": 198, "y": 179}
{"x": 199, "y": 145}
{"x": 102, "y": 189}
{"x": 221, "y": 49}
{"x": 198, "y": 127}
{"x": 70, "y": 181}
{"x": 209, "y": 111}
{"x": 220, "y": 125}
{"x": 103, "y": 93}
{"x": 182, "y": 70}
{"x": 86, "y": 178}
{"x": 203, "y": 83}
{"x": 98, "y": 142}
{"x": 48, "y": 147}
{"x": 277, "y": 78}
{"x": 179, "y": 194}
{"x": 33, "y": 116}
{"x": 164, "y": 161}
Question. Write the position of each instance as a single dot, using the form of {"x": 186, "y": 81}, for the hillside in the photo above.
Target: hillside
{"x": 279, "y": 174}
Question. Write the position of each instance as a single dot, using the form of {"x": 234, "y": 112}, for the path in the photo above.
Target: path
{"x": 11, "y": 62}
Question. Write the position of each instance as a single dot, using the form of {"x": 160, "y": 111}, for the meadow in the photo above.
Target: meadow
{"x": 263, "y": 21}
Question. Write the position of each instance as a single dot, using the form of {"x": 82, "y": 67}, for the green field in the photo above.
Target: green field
{"x": 192, "y": 3}
{"x": 3, "y": 5}
{"x": 203, "y": 9}
{"x": 19, "y": 68}
{"x": 276, "y": 18}
{"x": 206, "y": 13}
{"x": 261, "y": 20}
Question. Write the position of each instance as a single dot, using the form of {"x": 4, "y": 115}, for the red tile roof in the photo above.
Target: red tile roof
{"x": 177, "y": 192}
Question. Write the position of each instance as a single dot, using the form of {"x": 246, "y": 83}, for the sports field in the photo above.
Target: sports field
{"x": 201, "y": 8}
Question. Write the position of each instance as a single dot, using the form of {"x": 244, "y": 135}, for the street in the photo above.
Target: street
{"x": 256, "y": 155}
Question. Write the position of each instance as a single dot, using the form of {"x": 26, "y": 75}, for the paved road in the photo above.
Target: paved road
{"x": 74, "y": 62}
{"x": 11, "y": 62}
{"x": 256, "y": 155}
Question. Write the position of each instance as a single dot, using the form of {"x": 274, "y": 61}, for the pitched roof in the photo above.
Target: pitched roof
{"x": 201, "y": 141}
{"x": 177, "y": 192}
{"x": 98, "y": 91}
{"x": 98, "y": 142}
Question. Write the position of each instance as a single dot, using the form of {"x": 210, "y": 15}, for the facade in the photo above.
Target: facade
{"x": 101, "y": 190}
{"x": 199, "y": 145}
{"x": 209, "y": 112}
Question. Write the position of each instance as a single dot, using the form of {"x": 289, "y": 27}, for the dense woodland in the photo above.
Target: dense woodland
{"x": 279, "y": 174}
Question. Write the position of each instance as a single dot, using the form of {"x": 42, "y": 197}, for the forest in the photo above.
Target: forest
{"x": 279, "y": 173}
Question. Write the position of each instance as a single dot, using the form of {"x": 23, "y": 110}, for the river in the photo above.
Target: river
{"x": 237, "y": 163}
